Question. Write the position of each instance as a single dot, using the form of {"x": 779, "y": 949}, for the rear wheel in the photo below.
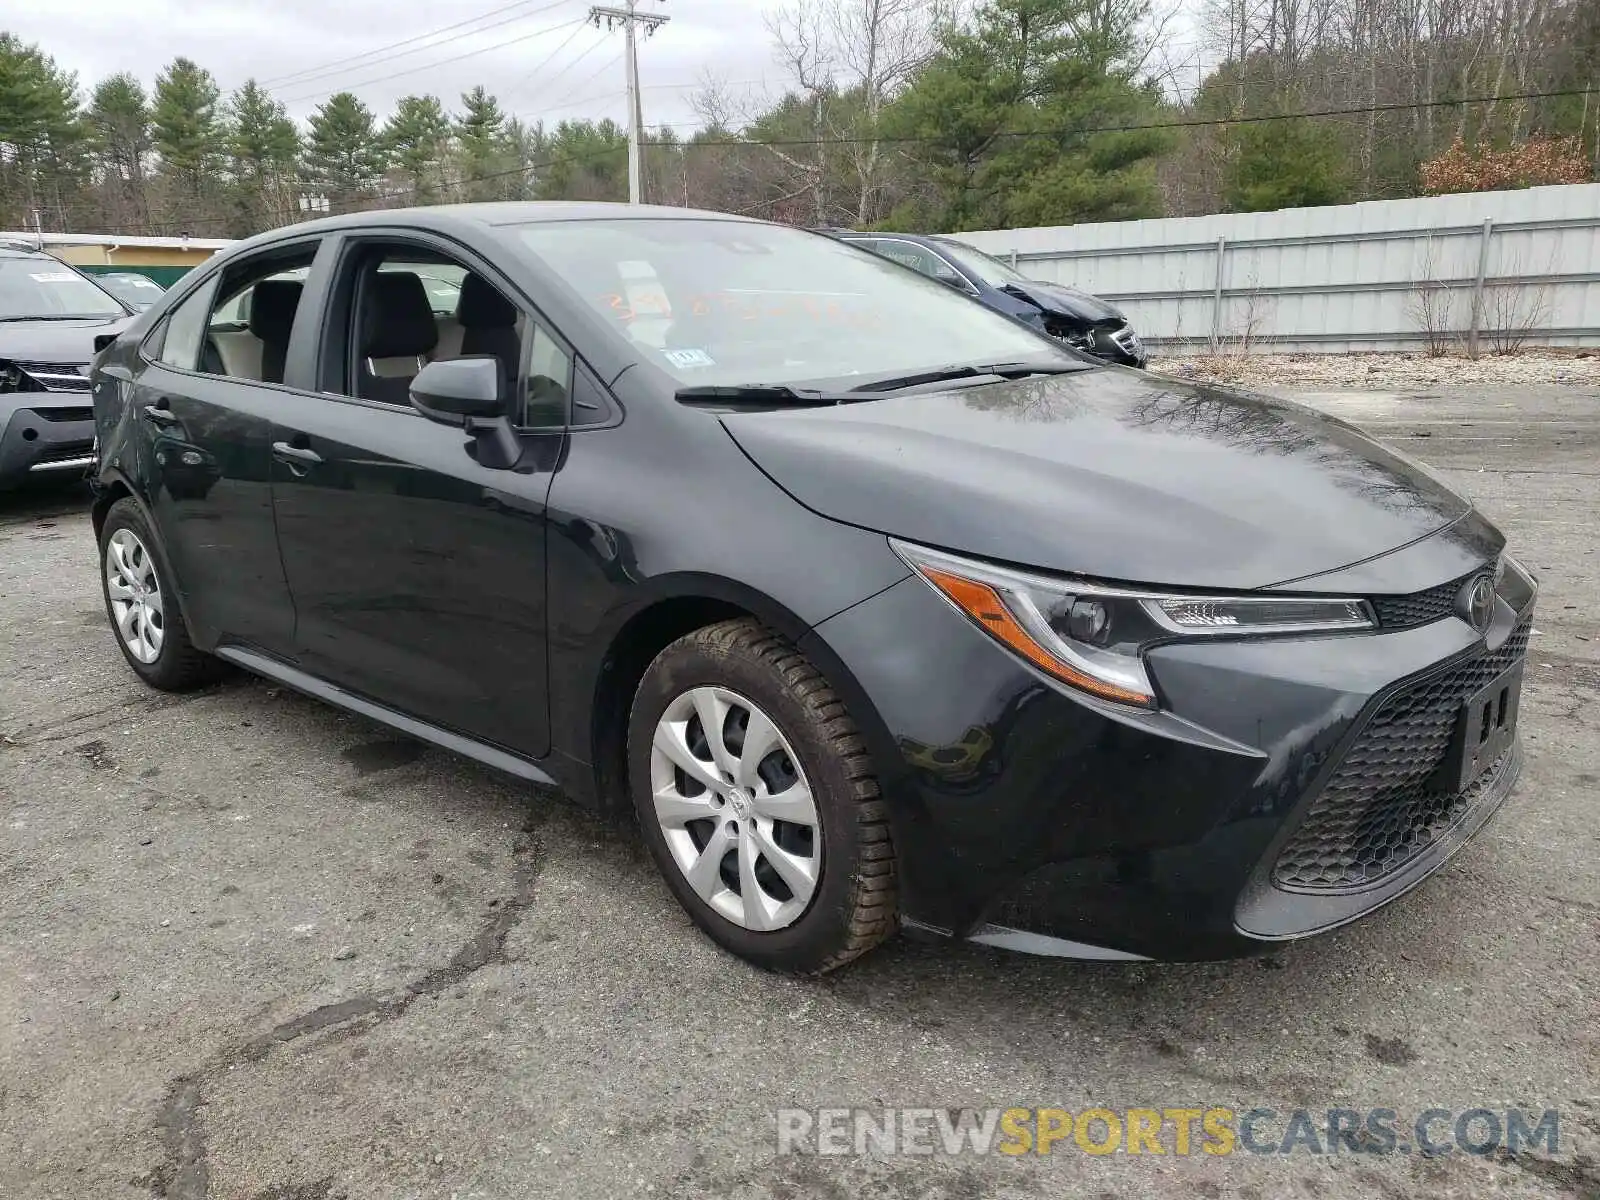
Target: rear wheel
{"x": 758, "y": 801}
{"x": 144, "y": 613}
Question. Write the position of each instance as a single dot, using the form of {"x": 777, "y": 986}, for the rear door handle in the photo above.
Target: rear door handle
{"x": 160, "y": 412}
{"x": 286, "y": 452}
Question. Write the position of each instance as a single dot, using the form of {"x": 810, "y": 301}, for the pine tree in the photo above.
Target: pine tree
{"x": 996, "y": 115}
{"x": 344, "y": 155}
{"x": 187, "y": 129}
{"x": 417, "y": 138}
{"x": 119, "y": 126}
{"x": 1285, "y": 164}
{"x": 482, "y": 149}
{"x": 263, "y": 146}
{"x": 43, "y": 139}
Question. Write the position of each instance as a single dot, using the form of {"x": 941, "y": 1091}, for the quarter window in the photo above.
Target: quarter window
{"x": 185, "y": 328}
{"x": 549, "y": 383}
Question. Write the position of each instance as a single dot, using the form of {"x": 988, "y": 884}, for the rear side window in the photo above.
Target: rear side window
{"x": 185, "y": 328}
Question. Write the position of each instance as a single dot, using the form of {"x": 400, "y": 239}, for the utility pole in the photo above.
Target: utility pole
{"x": 630, "y": 18}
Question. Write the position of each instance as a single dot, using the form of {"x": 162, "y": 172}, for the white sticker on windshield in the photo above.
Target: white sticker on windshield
{"x": 53, "y": 277}
{"x": 688, "y": 360}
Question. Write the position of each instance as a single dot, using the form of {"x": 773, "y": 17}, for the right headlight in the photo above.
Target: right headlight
{"x": 1093, "y": 637}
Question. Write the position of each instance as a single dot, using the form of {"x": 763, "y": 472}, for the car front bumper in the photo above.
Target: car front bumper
{"x": 45, "y": 435}
{"x": 1286, "y": 787}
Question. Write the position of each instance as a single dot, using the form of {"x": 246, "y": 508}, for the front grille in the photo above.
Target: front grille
{"x": 63, "y": 414}
{"x": 56, "y": 377}
{"x": 67, "y": 451}
{"x": 1419, "y": 608}
{"x": 1381, "y": 808}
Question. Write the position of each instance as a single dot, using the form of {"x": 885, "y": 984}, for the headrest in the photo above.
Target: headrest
{"x": 398, "y": 320}
{"x": 482, "y": 307}
{"x": 272, "y": 308}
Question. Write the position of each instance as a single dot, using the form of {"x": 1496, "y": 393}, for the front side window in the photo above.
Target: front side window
{"x": 414, "y": 306}
{"x": 43, "y": 289}
{"x": 725, "y": 302}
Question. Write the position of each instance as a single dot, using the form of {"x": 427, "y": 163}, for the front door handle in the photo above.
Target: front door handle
{"x": 286, "y": 452}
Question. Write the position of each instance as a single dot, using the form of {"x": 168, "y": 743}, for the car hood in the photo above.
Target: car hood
{"x": 1065, "y": 301}
{"x": 1109, "y": 473}
{"x": 69, "y": 342}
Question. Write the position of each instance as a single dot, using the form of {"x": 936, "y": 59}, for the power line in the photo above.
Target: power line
{"x": 1078, "y": 131}
{"x": 587, "y": 79}
{"x": 528, "y": 37}
{"x": 310, "y": 73}
{"x": 649, "y": 87}
{"x": 546, "y": 61}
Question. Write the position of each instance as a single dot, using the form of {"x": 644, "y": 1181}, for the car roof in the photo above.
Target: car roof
{"x": 518, "y": 212}
{"x": 922, "y": 239}
{"x": 19, "y": 250}
{"x": 445, "y": 217}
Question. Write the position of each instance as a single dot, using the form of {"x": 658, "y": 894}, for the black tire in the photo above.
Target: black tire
{"x": 854, "y": 906}
{"x": 178, "y": 667}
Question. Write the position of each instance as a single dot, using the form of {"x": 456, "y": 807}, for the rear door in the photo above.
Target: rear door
{"x": 419, "y": 575}
{"x": 205, "y": 421}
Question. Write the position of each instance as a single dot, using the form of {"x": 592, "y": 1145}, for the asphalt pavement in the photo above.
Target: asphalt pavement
{"x": 253, "y": 948}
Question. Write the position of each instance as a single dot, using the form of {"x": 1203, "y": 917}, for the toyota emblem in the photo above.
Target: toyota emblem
{"x": 1475, "y": 602}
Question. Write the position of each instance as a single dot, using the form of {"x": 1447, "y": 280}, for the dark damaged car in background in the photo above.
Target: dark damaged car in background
{"x": 50, "y": 318}
{"x": 1087, "y": 323}
{"x": 877, "y": 609}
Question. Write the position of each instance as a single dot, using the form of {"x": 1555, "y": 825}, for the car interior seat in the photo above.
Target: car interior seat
{"x": 398, "y": 333}
{"x": 489, "y": 328}
{"x": 272, "y": 310}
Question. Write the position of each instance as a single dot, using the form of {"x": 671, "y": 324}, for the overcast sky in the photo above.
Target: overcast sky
{"x": 541, "y": 62}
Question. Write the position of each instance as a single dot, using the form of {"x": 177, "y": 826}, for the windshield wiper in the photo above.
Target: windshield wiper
{"x": 60, "y": 317}
{"x": 762, "y": 393}
{"x": 1002, "y": 370}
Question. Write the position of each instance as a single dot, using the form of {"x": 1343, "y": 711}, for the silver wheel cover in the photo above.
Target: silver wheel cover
{"x": 736, "y": 809}
{"x": 137, "y": 607}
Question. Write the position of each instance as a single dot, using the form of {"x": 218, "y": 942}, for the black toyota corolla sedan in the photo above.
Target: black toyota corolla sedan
{"x": 878, "y": 609}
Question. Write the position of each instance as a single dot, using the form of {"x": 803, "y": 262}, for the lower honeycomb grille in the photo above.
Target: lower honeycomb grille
{"x": 1382, "y": 807}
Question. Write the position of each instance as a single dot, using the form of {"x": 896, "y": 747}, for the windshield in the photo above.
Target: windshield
{"x": 40, "y": 287}
{"x": 985, "y": 267}
{"x": 724, "y": 302}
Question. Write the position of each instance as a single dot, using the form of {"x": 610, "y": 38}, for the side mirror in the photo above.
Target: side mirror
{"x": 467, "y": 393}
{"x": 458, "y": 391}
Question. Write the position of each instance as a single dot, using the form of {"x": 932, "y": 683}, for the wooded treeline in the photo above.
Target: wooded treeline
{"x": 926, "y": 114}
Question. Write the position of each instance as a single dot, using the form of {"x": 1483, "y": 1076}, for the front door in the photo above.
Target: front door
{"x": 418, "y": 575}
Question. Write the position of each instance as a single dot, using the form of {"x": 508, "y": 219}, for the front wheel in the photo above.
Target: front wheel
{"x": 758, "y": 801}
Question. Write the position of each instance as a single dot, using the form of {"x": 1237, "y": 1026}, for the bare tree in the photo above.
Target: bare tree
{"x": 868, "y": 49}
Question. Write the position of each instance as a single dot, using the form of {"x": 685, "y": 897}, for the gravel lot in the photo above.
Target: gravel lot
{"x": 253, "y": 948}
{"x": 1391, "y": 372}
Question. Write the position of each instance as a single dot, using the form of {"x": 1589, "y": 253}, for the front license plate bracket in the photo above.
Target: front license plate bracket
{"x": 1485, "y": 729}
